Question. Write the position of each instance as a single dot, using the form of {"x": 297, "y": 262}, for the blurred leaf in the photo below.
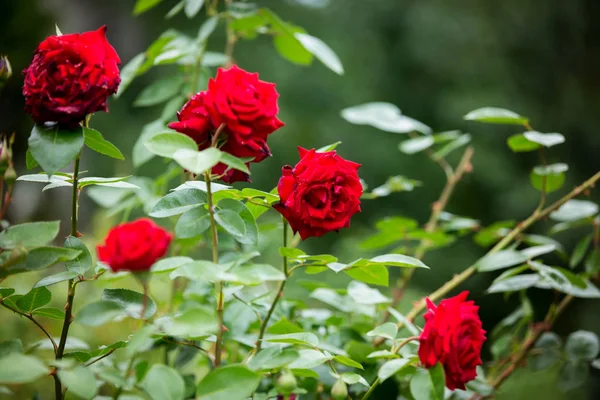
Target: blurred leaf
{"x": 384, "y": 116}
{"x": 272, "y": 358}
{"x": 141, "y": 154}
{"x": 553, "y": 174}
{"x": 579, "y": 252}
{"x": 287, "y": 45}
{"x": 573, "y": 374}
{"x": 193, "y": 223}
{"x": 54, "y": 148}
{"x": 574, "y": 210}
{"x": 178, "y": 202}
{"x": 590, "y": 291}
{"x": 363, "y": 294}
{"x": 492, "y": 233}
{"x": 130, "y": 70}
{"x": 191, "y": 323}
{"x": 56, "y": 278}
{"x": 144, "y": 5}
{"x": 207, "y": 28}
{"x": 348, "y": 362}
{"x": 388, "y": 330}
{"x": 10, "y": 346}
{"x": 80, "y": 381}
{"x": 169, "y": 264}
{"x": 130, "y": 301}
{"x": 309, "y": 359}
{"x": 94, "y": 140}
{"x": 159, "y": 91}
{"x": 514, "y": 283}
{"x": 217, "y": 384}
{"x": 99, "y": 313}
{"x": 36, "y": 298}
{"x": 390, "y": 368}
{"x": 175, "y": 10}
{"x": 198, "y": 162}
{"x": 322, "y": 51}
{"x": 428, "y": 384}
{"x": 501, "y": 259}
{"x": 582, "y": 345}
{"x": 493, "y": 115}
{"x": 192, "y": 7}
{"x": 416, "y": 145}
{"x": 30, "y": 234}
{"x": 30, "y": 162}
{"x": 167, "y": 143}
{"x": 456, "y": 144}
{"x": 519, "y": 143}
{"x": 547, "y": 351}
{"x": 393, "y": 184}
{"x": 17, "y": 368}
{"x": 302, "y": 338}
{"x": 163, "y": 383}
{"x": 536, "y": 251}
{"x": 351, "y": 378}
{"x": 544, "y": 139}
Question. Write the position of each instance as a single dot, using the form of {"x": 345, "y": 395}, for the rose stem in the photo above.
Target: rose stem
{"x": 279, "y": 295}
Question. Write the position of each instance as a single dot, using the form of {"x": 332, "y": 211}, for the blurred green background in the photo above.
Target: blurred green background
{"x": 435, "y": 59}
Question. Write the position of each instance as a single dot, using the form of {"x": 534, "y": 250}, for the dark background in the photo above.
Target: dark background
{"x": 435, "y": 59}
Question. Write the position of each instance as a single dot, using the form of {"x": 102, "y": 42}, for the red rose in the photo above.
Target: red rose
{"x": 453, "y": 336}
{"x": 320, "y": 194}
{"x": 70, "y": 77}
{"x": 134, "y": 246}
{"x": 245, "y": 105}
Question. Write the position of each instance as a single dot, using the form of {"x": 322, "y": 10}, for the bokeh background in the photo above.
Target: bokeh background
{"x": 435, "y": 59}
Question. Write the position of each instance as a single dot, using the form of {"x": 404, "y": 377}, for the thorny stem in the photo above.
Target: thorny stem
{"x": 279, "y": 295}
{"x": 30, "y": 317}
{"x": 452, "y": 179}
{"x": 71, "y": 286}
{"x": 215, "y": 258}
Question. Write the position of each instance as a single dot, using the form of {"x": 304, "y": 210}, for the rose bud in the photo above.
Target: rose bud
{"x": 134, "y": 246}
{"x": 10, "y": 175}
{"x": 339, "y": 390}
{"x": 244, "y": 106}
{"x": 5, "y": 70}
{"x": 286, "y": 383}
{"x": 452, "y": 336}
{"x": 320, "y": 194}
{"x": 70, "y": 77}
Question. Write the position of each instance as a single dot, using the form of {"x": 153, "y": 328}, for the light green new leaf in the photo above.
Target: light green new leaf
{"x": 54, "y": 148}
{"x": 389, "y": 330}
{"x": 198, "y": 162}
{"x": 519, "y": 143}
{"x": 80, "y": 381}
{"x": 166, "y": 144}
{"x": 375, "y": 274}
{"x": 94, "y": 140}
{"x": 549, "y": 177}
{"x": 232, "y": 382}
{"x": 144, "y": 5}
{"x": 164, "y": 383}
{"x": 493, "y": 115}
{"x": 348, "y": 362}
{"x": 320, "y": 50}
{"x": 303, "y": 338}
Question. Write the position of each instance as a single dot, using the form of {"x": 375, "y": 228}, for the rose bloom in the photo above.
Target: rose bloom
{"x": 70, "y": 77}
{"x": 453, "y": 336}
{"x": 244, "y": 105}
{"x": 134, "y": 246}
{"x": 320, "y": 194}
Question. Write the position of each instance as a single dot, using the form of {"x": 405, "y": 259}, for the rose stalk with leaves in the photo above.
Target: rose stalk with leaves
{"x": 230, "y": 328}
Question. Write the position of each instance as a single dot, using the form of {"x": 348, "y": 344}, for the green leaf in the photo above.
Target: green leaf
{"x": 56, "y": 278}
{"x": 272, "y": 358}
{"x": 30, "y": 162}
{"x": 348, "y": 362}
{"x": 416, "y": 145}
{"x": 50, "y": 312}
{"x": 163, "y": 383}
{"x": 573, "y": 374}
{"x": 428, "y": 384}
{"x": 456, "y": 144}
{"x": 130, "y": 70}
{"x": 231, "y": 222}
{"x": 80, "y": 381}
{"x": 169, "y": 264}
{"x": 5, "y": 292}
{"x": 574, "y": 210}
{"x": 580, "y": 250}
{"x": 329, "y": 147}
{"x": 192, "y": 7}
{"x": 99, "y": 313}
{"x": 234, "y": 163}
{"x": 141, "y": 154}
{"x": 17, "y": 368}
{"x": 132, "y": 302}
{"x": 178, "y": 202}
{"x": 582, "y": 345}
{"x": 193, "y": 223}
{"x": 544, "y": 139}
{"x": 256, "y": 274}
{"x": 398, "y": 260}
{"x": 207, "y": 28}
{"x": 43, "y": 257}
{"x": 320, "y": 50}
{"x": 536, "y": 251}
{"x": 303, "y": 338}
{"x": 552, "y": 174}
{"x": 30, "y": 234}
{"x": 493, "y": 115}
{"x": 363, "y": 294}
{"x": 547, "y": 351}
{"x": 83, "y": 262}
{"x": 309, "y": 359}
{"x": 250, "y": 235}
{"x": 287, "y": 45}
{"x": 94, "y": 140}
{"x": 514, "y": 283}
{"x": 373, "y": 274}
{"x": 500, "y": 260}
{"x": 384, "y": 116}
{"x": 10, "y": 346}
{"x": 390, "y": 368}
{"x": 193, "y": 322}
{"x": 166, "y": 144}
{"x": 159, "y": 91}
{"x": 351, "y": 378}
{"x": 519, "y": 143}
{"x": 198, "y": 162}
{"x": 388, "y": 330}
{"x": 54, "y": 148}
{"x": 232, "y": 382}
{"x": 35, "y": 299}
{"x": 144, "y": 5}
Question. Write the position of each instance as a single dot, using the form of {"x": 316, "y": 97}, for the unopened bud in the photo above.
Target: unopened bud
{"x": 339, "y": 390}
{"x": 10, "y": 175}
{"x": 286, "y": 383}
{"x": 5, "y": 70}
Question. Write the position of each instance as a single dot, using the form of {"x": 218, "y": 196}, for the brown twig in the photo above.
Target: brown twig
{"x": 30, "y": 317}
{"x": 100, "y": 358}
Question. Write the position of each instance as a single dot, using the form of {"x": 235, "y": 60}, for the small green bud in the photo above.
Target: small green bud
{"x": 286, "y": 383}
{"x": 10, "y": 176}
{"x": 339, "y": 390}
{"x": 5, "y": 70}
